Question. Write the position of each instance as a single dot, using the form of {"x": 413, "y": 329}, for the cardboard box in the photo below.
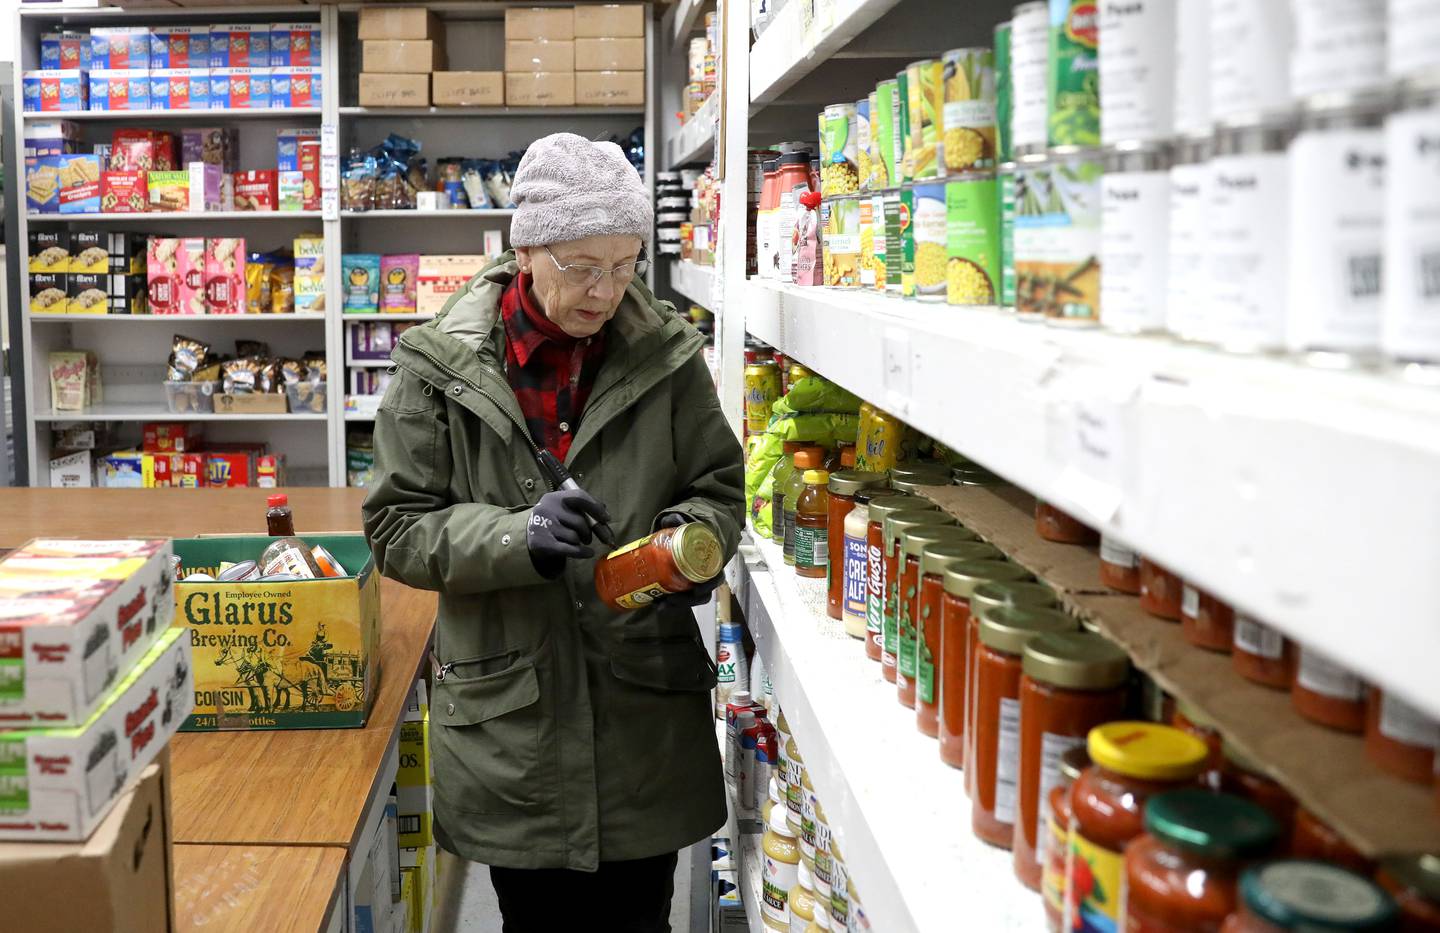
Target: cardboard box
{"x": 329, "y": 655}
{"x": 180, "y": 89}
{"x": 49, "y": 251}
{"x": 610, "y": 19}
{"x": 256, "y": 190}
{"x": 539, "y": 55}
{"x": 239, "y": 88}
{"x": 64, "y": 51}
{"x": 204, "y": 186}
{"x": 119, "y": 90}
{"x": 539, "y": 23}
{"x": 255, "y": 403}
{"x": 120, "y": 47}
{"x": 468, "y": 88}
{"x": 392, "y": 90}
{"x": 442, "y": 276}
{"x": 216, "y": 145}
{"x": 73, "y": 471}
{"x": 403, "y": 56}
{"x": 610, "y": 54}
{"x": 54, "y": 91}
{"x": 540, "y": 89}
{"x": 295, "y": 87}
{"x": 61, "y": 782}
{"x": 179, "y": 47}
{"x": 124, "y": 192}
{"x": 240, "y": 45}
{"x": 47, "y": 293}
{"x": 609, "y": 88}
{"x": 414, "y": 795}
{"x": 295, "y": 45}
{"x": 398, "y": 22}
{"x": 123, "y": 869}
{"x": 224, "y": 274}
{"x": 85, "y": 293}
{"x": 89, "y": 252}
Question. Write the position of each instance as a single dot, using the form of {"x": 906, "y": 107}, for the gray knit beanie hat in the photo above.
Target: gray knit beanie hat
{"x": 568, "y": 187}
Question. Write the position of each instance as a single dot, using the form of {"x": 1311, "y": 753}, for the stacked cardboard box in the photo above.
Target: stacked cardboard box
{"x": 540, "y": 57}
{"x": 610, "y": 55}
{"x": 401, "y": 48}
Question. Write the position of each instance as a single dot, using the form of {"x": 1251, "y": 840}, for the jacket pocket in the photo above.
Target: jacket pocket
{"x": 488, "y": 741}
{"x": 675, "y": 665}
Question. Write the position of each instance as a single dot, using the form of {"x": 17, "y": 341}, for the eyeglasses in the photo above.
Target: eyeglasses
{"x": 581, "y": 276}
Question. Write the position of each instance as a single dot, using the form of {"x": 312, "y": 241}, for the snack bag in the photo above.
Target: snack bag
{"x": 398, "y": 273}
{"x": 360, "y": 274}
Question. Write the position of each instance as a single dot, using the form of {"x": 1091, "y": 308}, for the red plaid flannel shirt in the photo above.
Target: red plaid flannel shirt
{"x": 551, "y": 372}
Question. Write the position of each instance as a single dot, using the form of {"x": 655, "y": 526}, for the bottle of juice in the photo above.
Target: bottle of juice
{"x": 783, "y": 471}
{"x": 806, "y": 459}
{"x": 279, "y": 520}
{"x": 812, "y": 526}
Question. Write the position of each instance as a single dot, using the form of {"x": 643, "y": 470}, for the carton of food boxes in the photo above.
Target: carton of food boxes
{"x": 299, "y": 654}
{"x": 540, "y": 89}
{"x": 54, "y": 91}
{"x": 119, "y": 90}
{"x": 123, "y": 48}
{"x": 403, "y": 56}
{"x": 609, "y": 19}
{"x": 61, "y": 782}
{"x": 390, "y": 90}
{"x": 179, "y": 47}
{"x": 76, "y": 615}
{"x": 467, "y": 88}
{"x": 398, "y": 22}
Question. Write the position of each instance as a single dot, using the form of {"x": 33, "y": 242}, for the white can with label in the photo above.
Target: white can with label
{"x": 1191, "y": 61}
{"x": 1137, "y": 76}
{"x": 1249, "y": 221}
{"x": 1187, "y": 293}
{"x": 1134, "y": 219}
{"x": 1250, "y": 42}
{"x": 1029, "y": 55}
{"x": 1414, "y": 37}
{"x": 1339, "y": 46}
{"x": 1337, "y": 232}
{"x": 1410, "y": 319}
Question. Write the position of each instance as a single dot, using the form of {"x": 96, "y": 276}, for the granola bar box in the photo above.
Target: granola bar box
{"x": 60, "y": 782}
{"x": 295, "y": 654}
{"x": 75, "y": 617}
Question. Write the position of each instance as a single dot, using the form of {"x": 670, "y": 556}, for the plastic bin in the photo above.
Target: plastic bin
{"x": 191, "y": 398}
{"x": 307, "y": 397}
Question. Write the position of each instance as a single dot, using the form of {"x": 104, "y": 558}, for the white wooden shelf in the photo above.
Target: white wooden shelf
{"x": 784, "y": 54}
{"x": 694, "y": 281}
{"x": 489, "y": 212}
{"x": 174, "y": 318}
{"x": 175, "y": 116}
{"x": 366, "y": 364}
{"x": 687, "y": 22}
{"x": 389, "y": 113}
{"x": 900, "y": 815}
{"x": 148, "y": 411}
{"x": 358, "y": 416}
{"x": 386, "y": 316}
{"x": 696, "y": 140}
{"x": 162, "y": 217}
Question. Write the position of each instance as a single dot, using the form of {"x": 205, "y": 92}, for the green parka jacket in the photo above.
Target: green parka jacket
{"x": 563, "y": 734}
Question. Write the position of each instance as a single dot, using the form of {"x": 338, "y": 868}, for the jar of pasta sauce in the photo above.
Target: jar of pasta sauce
{"x": 990, "y": 571}
{"x": 1119, "y": 566}
{"x": 913, "y": 543}
{"x": 1399, "y": 738}
{"x": 896, "y": 524}
{"x": 1159, "y": 591}
{"x": 1301, "y": 895}
{"x": 672, "y": 560}
{"x": 929, "y": 655}
{"x": 1183, "y": 873}
{"x": 1054, "y": 525}
{"x": 1243, "y": 777}
{"x": 1132, "y": 762}
{"x": 964, "y": 590}
{"x": 875, "y": 563}
{"x": 1414, "y": 882}
{"x": 1313, "y": 838}
{"x": 1261, "y": 654}
{"x": 842, "y": 488}
{"x": 1004, "y": 633}
{"x": 1327, "y": 693}
{"x": 1053, "y": 882}
{"x": 1206, "y": 621}
{"x": 1073, "y": 682}
{"x": 1192, "y": 721}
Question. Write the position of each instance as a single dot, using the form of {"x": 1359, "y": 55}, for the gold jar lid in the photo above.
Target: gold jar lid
{"x": 849, "y": 482}
{"x": 697, "y": 552}
{"x": 936, "y": 557}
{"x": 962, "y": 579}
{"x": 976, "y": 476}
{"x": 1026, "y": 592}
{"x": 896, "y": 501}
{"x": 920, "y": 469}
{"x": 1011, "y": 628}
{"x": 1076, "y": 661}
{"x": 916, "y": 484}
{"x": 913, "y": 541}
{"x": 899, "y": 522}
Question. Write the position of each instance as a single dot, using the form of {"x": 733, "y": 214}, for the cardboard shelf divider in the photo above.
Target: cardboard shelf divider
{"x": 1325, "y": 770}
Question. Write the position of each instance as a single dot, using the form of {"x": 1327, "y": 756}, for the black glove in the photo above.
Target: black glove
{"x": 558, "y": 529}
{"x": 701, "y": 593}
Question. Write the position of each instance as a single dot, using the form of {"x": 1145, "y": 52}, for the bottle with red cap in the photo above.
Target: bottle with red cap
{"x": 279, "y": 521}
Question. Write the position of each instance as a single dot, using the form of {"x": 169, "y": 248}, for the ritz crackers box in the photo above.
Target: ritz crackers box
{"x": 299, "y": 654}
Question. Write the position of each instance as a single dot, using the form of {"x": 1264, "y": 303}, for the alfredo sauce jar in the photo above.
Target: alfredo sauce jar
{"x": 1410, "y": 320}
{"x": 1134, "y": 218}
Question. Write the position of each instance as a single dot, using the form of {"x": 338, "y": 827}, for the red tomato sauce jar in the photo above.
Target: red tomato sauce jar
{"x": 1301, "y": 895}
{"x": 1119, "y": 566}
{"x": 1053, "y": 883}
{"x": 1206, "y": 621}
{"x": 1004, "y": 633}
{"x": 996, "y": 571}
{"x": 1054, "y": 525}
{"x": 1261, "y": 654}
{"x": 896, "y": 524}
{"x": 1243, "y": 777}
{"x": 913, "y": 542}
{"x": 881, "y": 506}
{"x": 1414, "y": 882}
{"x": 1313, "y": 838}
{"x": 1159, "y": 591}
{"x": 929, "y": 621}
{"x": 671, "y": 560}
{"x": 1399, "y": 738}
{"x": 1327, "y": 693}
{"x": 1190, "y": 720}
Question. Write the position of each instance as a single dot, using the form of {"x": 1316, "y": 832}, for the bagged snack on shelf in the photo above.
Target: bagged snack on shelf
{"x": 498, "y": 178}
{"x": 258, "y": 267}
{"x": 315, "y": 370}
{"x": 256, "y": 348}
{"x": 187, "y": 356}
{"x": 398, "y": 274}
{"x": 282, "y": 288}
{"x": 225, "y": 290}
{"x": 307, "y": 396}
{"x": 70, "y": 388}
{"x": 473, "y": 181}
{"x": 451, "y": 171}
{"x": 292, "y": 372}
{"x": 360, "y": 277}
{"x": 359, "y": 176}
{"x": 242, "y": 376}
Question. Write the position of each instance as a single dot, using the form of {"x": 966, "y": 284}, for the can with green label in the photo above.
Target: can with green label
{"x": 907, "y": 242}
{"x": 839, "y": 152}
{"x": 903, "y": 143}
{"x": 1003, "y": 91}
{"x": 894, "y": 245}
{"x": 882, "y": 137}
{"x": 968, "y": 143}
{"x": 862, "y": 144}
{"x": 927, "y": 117}
{"x": 972, "y": 240}
{"x": 1005, "y": 186}
{"x": 842, "y": 243}
{"x": 872, "y": 275}
{"x": 1073, "y": 74}
{"x": 927, "y": 220}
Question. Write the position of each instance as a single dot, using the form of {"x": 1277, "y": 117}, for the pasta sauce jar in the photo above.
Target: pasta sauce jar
{"x": 1132, "y": 761}
{"x": 896, "y": 524}
{"x": 1414, "y": 882}
{"x": 964, "y": 589}
{"x": 1206, "y": 621}
{"x": 913, "y": 543}
{"x": 992, "y": 571}
{"x": 1183, "y": 873}
{"x": 1053, "y": 883}
{"x": 1301, "y": 895}
{"x": 1261, "y": 654}
{"x": 1073, "y": 682}
{"x": 1327, "y": 693}
{"x": 1399, "y": 738}
{"x": 1119, "y": 566}
{"x": 1060, "y": 527}
{"x": 928, "y": 620}
{"x": 1159, "y": 591}
{"x": 672, "y": 560}
{"x": 843, "y": 486}
{"x": 875, "y": 563}
{"x": 1242, "y": 777}
{"x": 1004, "y": 633}
{"x": 1313, "y": 838}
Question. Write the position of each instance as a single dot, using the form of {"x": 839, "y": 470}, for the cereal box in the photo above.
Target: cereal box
{"x": 64, "y": 51}
{"x": 180, "y": 89}
{"x": 54, "y": 91}
{"x": 61, "y": 782}
{"x": 119, "y": 90}
{"x": 214, "y": 144}
{"x": 179, "y": 47}
{"x": 239, "y": 88}
{"x": 47, "y": 292}
{"x": 89, "y": 252}
{"x": 79, "y": 184}
{"x": 121, "y": 48}
{"x": 317, "y": 638}
{"x": 360, "y": 275}
{"x": 124, "y": 192}
{"x": 49, "y": 251}
{"x": 309, "y": 273}
{"x": 439, "y": 277}
{"x": 85, "y": 293}
{"x": 295, "y": 87}
{"x": 225, "y": 275}
{"x": 295, "y": 45}
{"x": 397, "y": 282}
{"x": 255, "y": 190}
{"x": 142, "y": 150}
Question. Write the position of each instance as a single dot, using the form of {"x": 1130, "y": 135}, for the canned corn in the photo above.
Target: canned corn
{"x": 927, "y": 119}
{"x": 839, "y": 166}
{"x": 928, "y": 221}
{"x": 883, "y": 169}
{"x": 968, "y": 115}
{"x": 842, "y": 243}
{"x": 972, "y": 240}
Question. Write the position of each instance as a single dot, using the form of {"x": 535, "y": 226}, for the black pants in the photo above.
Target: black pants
{"x": 541, "y": 900}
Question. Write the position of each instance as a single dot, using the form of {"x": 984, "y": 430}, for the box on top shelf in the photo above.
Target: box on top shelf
{"x": 610, "y": 54}
{"x": 54, "y": 91}
{"x": 61, "y": 782}
{"x": 539, "y": 23}
{"x": 468, "y": 88}
{"x": 540, "y": 89}
{"x": 299, "y": 654}
{"x": 120, "y": 47}
{"x": 609, "y": 19}
{"x": 398, "y": 22}
{"x": 179, "y": 89}
{"x": 76, "y": 616}
{"x": 402, "y": 56}
{"x": 180, "y": 47}
{"x": 240, "y": 88}
{"x": 295, "y": 45}
{"x": 65, "y": 51}
{"x": 240, "y": 45}
{"x": 388, "y": 90}
{"x": 119, "y": 90}
{"x": 539, "y": 55}
{"x": 609, "y": 88}
{"x": 295, "y": 87}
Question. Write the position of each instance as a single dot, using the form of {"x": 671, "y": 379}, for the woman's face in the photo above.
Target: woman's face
{"x": 580, "y": 310}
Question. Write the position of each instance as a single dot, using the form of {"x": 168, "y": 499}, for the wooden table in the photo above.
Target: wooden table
{"x": 263, "y": 821}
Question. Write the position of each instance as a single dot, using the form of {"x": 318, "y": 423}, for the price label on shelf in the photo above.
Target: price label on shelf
{"x": 329, "y": 204}
{"x": 1091, "y": 437}
{"x": 329, "y": 172}
{"x": 329, "y": 140}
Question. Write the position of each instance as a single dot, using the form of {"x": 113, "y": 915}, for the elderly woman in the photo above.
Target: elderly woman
{"x": 574, "y": 746}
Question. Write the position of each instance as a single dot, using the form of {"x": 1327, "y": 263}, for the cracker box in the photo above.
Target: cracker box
{"x": 360, "y": 273}
{"x": 180, "y": 89}
{"x": 121, "y": 470}
{"x": 79, "y": 184}
{"x": 397, "y": 282}
{"x": 214, "y": 144}
{"x": 77, "y": 616}
{"x": 227, "y": 468}
{"x": 64, "y": 51}
{"x": 414, "y": 800}
{"x": 121, "y": 48}
{"x": 204, "y": 186}
{"x": 310, "y": 172}
{"x": 287, "y": 146}
{"x": 295, "y": 45}
{"x": 179, "y": 47}
{"x": 124, "y": 192}
{"x": 295, "y": 87}
{"x": 89, "y": 252}
{"x": 309, "y": 273}
{"x": 119, "y": 90}
{"x": 225, "y": 275}
{"x": 239, "y": 88}
{"x": 270, "y": 471}
{"x": 169, "y": 437}
{"x": 317, "y": 640}
{"x": 440, "y": 277}
{"x": 141, "y": 150}
{"x": 47, "y": 292}
{"x": 172, "y": 471}
{"x": 86, "y": 293}
{"x": 42, "y": 184}
{"x": 61, "y": 782}
{"x": 256, "y": 190}
{"x": 49, "y": 251}
{"x": 240, "y": 45}
{"x": 73, "y": 471}
{"x": 54, "y": 91}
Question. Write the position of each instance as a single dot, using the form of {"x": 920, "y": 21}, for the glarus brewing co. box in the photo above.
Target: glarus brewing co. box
{"x": 295, "y": 654}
